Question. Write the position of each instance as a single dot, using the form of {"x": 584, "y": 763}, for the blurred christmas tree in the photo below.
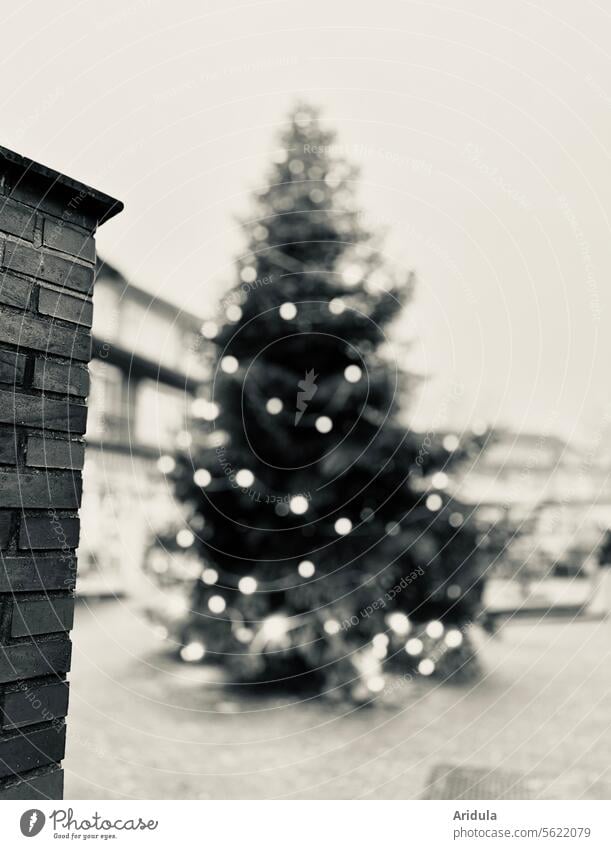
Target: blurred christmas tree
{"x": 331, "y": 548}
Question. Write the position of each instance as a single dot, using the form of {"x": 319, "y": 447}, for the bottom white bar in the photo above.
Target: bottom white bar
{"x": 299, "y": 825}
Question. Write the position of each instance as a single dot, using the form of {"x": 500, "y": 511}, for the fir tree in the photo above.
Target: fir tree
{"x": 331, "y": 548}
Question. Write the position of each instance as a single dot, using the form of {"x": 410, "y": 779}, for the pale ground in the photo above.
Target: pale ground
{"x": 143, "y": 726}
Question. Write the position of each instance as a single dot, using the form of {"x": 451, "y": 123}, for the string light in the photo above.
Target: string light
{"x": 275, "y": 627}
{"x": 260, "y": 232}
{"x": 456, "y": 520}
{"x": 229, "y": 364}
{"x": 296, "y": 166}
{"x": 454, "y": 591}
{"x": 248, "y": 274}
{"x": 440, "y": 480}
{"x": 243, "y": 635}
{"x": 435, "y": 629}
{"x": 353, "y": 373}
{"x": 193, "y": 652}
{"x": 331, "y": 627}
{"x": 178, "y": 606}
{"x": 233, "y": 313}
{"x": 247, "y": 585}
{"x": 375, "y": 683}
{"x": 451, "y": 442}
{"x": 210, "y": 576}
{"x": 209, "y": 329}
{"x": 343, "y": 526}
{"x": 426, "y": 666}
{"x": 317, "y": 196}
{"x": 288, "y": 311}
{"x": 203, "y": 409}
{"x": 434, "y": 502}
{"x": 298, "y": 504}
{"x": 414, "y": 646}
{"x": 274, "y": 406}
{"x": 336, "y": 306}
{"x": 399, "y": 623}
{"x": 217, "y": 603}
{"x": 380, "y": 646}
{"x": 306, "y": 569}
{"x": 244, "y": 478}
{"x": 202, "y": 477}
{"x": 323, "y": 424}
{"x": 185, "y": 538}
{"x": 453, "y": 638}
{"x": 166, "y": 464}
{"x": 352, "y": 275}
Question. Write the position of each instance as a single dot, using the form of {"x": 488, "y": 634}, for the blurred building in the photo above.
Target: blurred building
{"x": 146, "y": 367}
{"x": 556, "y": 498}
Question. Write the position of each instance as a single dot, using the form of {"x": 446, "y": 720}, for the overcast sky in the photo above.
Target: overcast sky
{"x": 482, "y": 129}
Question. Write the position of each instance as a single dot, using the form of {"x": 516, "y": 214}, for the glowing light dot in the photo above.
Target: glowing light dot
{"x": 193, "y": 652}
{"x": 435, "y": 629}
{"x": 399, "y": 623}
{"x": 296, "y": 166}
{"x": 274, "y": 406}
{"x": 426, "y": 666}
{"x": 275, "y": 626}
{"x": 203, "y": 409}
{"x": 343, "y": 526}
{"x": 244, "y": 478}
{"x": 243, "y": 635}
{"x": 166, "y": 464}
{"x": 247, "y": 585}
{"x": 353, "y": 373}
{"x": 233, "y": 313}
{"x": 453, "y": 639}
{"x": 298, "y": 504}
{"x": 375, "y": 683}
{"x": 209, "y": 329}
{"x": 217, "y": 603}
{"x": 456, "y": 520}
{"x": 324, "y": 424}
{"x": 202, "y": 477}
{"x": 317, "y": 196}
{"x": 288, "y": 311}
{"x": 336, "y": 306}
{"x": 184, "y": 439}
{"x": 306, "y": 569}
{"x": 210, "y": 576}
{"x": 414, "y": 646}
{"x": 352, "y": 275}
{"x": 331, "y": 627}
{"x": 280, "y": 156}
{"x": 434, "y": 503}
{"x": 454, "y": 591}
{"x": 229, "y": 365}
{"x": 178, "y": 606}
{"x": 451, "y": 442}
{"x": 440, "y": 480}
{"x": 248, "y": 274}
{"x": 260, "y": 232}
{"x": 185, "y": 538}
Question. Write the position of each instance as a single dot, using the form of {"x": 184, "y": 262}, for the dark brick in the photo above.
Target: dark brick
{"x": 29, "y": 750}
{"x": 9, "y": 448}
{"x": 29, "y": 573}
{"x": 48, "y": 531}
{"x": 35, "y": 785}
{"x": 55, "y": 453}
{"x": 65, "y": 306}
{"x": 41, "y": 703}
{"x": 43, "y": 334}
{"x": 12, "y": 367}
{"x": 41, "y": 616}
{"x": 34, "y": 658}
{"x": 70, "y": 240}
{"x": 69, "y": 378}
{"x": 16, "y": 219}
{"x": 14, "y": 291}
{"x": 37, "y": 489}
{"x": 40, "y": 411}
{"x": 49, "y": 267}
{"x": 5, "y": 527}
{"x": 69, "y": 209}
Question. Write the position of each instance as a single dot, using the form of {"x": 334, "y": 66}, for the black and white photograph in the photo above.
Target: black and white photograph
{"x": 305, "y": 419}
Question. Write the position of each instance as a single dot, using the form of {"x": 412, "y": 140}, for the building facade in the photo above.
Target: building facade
{"x": 146, "y": 368}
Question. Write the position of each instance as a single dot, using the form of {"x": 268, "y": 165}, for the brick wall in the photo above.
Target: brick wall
{"x": 47, "y": 262}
